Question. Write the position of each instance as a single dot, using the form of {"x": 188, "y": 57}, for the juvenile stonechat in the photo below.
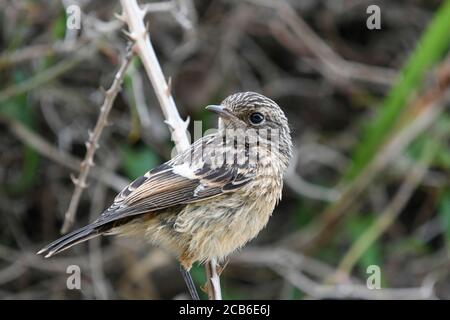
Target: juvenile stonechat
{"x": 211, "y": 199}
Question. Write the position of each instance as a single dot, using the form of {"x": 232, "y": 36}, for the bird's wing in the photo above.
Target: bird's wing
{"x": 173, "y": 183}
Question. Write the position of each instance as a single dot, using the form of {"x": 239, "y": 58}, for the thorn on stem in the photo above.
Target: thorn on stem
{"x": 77, "y": 182}
{"x": 186, "y": 122}
{"x": 170, "y": 124}
{"x": 74, "y": 180}
{"x": 128, "y": 35}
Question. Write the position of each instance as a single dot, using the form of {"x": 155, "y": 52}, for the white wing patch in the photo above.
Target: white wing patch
{"x": 185, "y": 171}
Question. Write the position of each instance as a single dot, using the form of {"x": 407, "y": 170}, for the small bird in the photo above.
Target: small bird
{"x": 211, "y": 199}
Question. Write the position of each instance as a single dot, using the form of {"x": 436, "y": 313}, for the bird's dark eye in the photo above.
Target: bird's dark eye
{"x": 256, "y": 118}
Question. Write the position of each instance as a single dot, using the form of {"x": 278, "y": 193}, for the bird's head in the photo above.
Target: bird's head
{"x": 251, "y": 110}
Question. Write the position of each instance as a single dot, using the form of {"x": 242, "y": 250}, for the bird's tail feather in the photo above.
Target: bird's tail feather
{"x": 69, "y": 240}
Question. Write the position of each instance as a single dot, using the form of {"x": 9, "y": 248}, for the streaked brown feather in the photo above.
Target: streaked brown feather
{"x": 162, "y": 188}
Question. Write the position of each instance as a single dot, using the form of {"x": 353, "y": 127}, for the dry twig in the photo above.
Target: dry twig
{"x": 338, "y": 70}
{"x": 293, "y": 267}
{"x": 47, "y": 150}
{"x": 45, "y": 76}
{"x": 298, "y": 184}
{"x": 92, "y": 143}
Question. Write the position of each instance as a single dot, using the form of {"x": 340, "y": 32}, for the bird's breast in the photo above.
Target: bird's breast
{"x": 225, "y": 223}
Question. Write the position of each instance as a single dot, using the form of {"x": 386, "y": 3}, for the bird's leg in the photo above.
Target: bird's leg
{"x": 190, "y": 283}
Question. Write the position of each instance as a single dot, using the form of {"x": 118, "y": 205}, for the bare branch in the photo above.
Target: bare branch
{"x": 134, "y": 17}
{"x": 352, "y": 291}
{"x": 45, "y": 76}
{"x": 92, "y": 143}
{"x": 294, "y": 267}
{"x": 332, "y": 65}
{"x": 161, "y": 6}
{"x": 298, "y": 184}
{"x": 47, "y": 150}
{"x": 213, "y": 281}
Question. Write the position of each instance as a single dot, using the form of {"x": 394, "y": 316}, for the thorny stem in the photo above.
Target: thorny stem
{"x": 134, "y": 17}
{"x": 92, "y": 143}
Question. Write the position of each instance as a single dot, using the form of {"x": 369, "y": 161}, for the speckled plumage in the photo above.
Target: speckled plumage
{"x": 213, "y": 198}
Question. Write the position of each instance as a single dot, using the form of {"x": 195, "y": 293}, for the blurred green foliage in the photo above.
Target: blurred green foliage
{"x": 444, "y": 212}
{"x": 356, "y": 226}
{"x": 434, "y": 42}
{"x": 15, "y": 108}
{"x": 136, "y": 161}
{"x": 59, "y": 26}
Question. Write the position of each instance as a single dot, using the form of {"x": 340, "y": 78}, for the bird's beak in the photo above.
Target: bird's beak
{"x": 221, "y": 111}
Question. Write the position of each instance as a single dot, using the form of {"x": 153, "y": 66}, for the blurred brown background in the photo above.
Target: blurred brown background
{"x": 368, "y": 110}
